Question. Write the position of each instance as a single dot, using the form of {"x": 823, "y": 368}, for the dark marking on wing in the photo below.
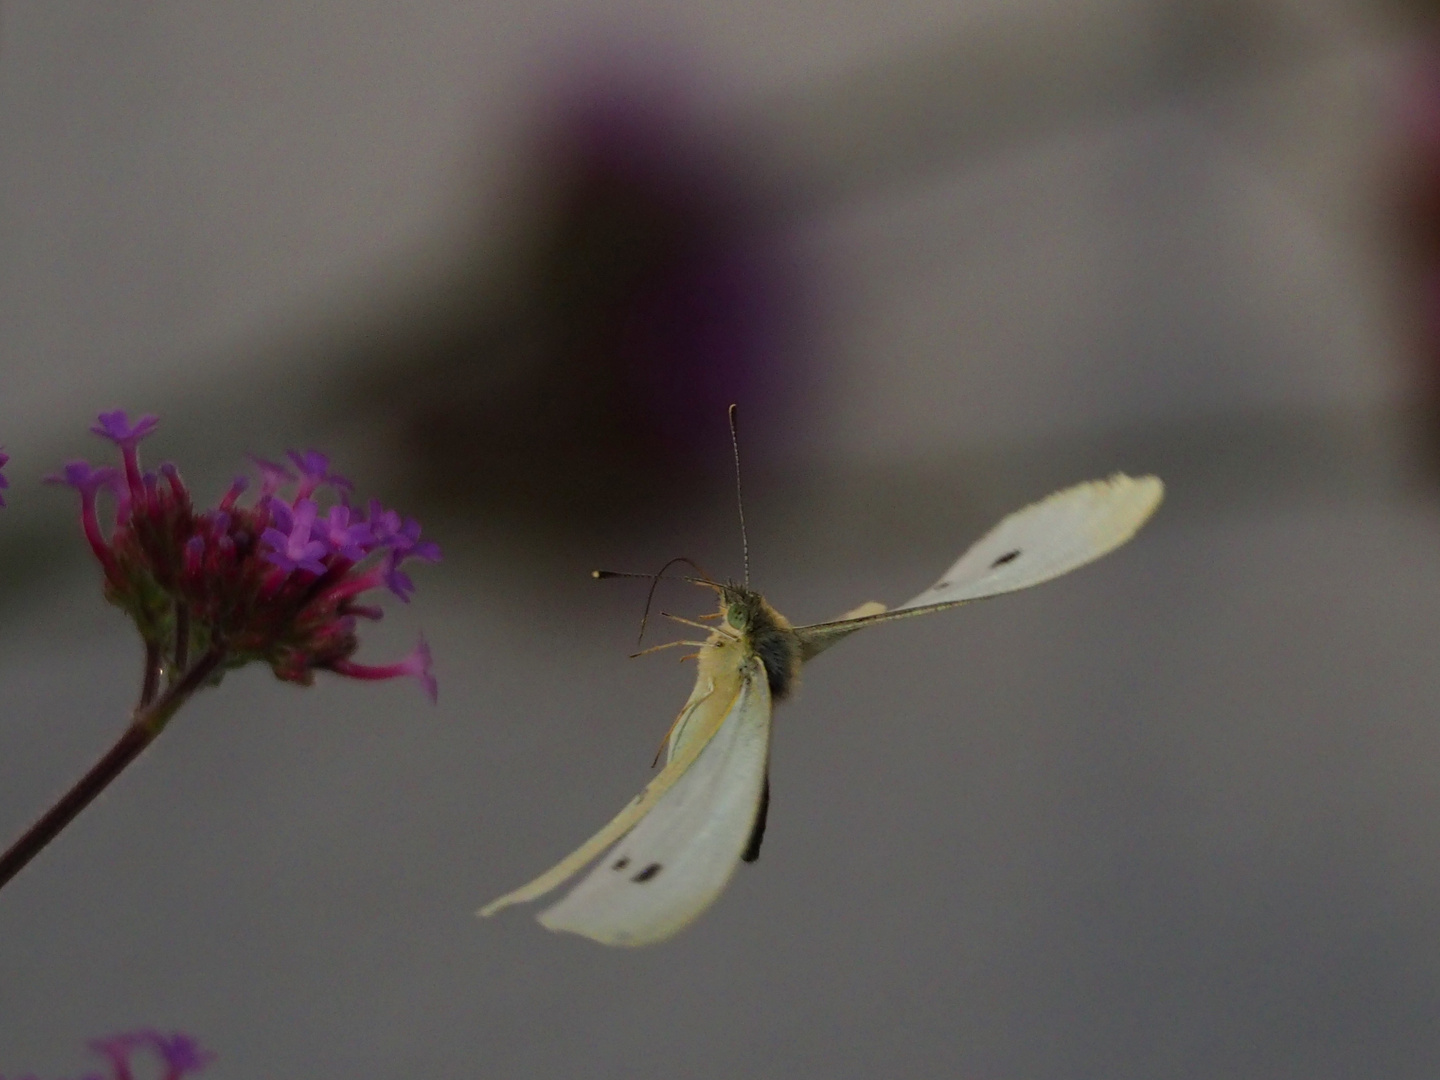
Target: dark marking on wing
{"x": 757, "y": 831}
{"x": 621, "y": 863}
{"x": 1009, "y": 556}
{"x": 649, "y": 872}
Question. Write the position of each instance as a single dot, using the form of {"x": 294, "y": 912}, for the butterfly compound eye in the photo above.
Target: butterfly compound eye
{"x": 735, "y": 616}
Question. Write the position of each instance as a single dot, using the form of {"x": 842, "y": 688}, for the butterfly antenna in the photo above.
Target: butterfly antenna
{"x": 739, "y": 497}
{"x": 655, "y": 579}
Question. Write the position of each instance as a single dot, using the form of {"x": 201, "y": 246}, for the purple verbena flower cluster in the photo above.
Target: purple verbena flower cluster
{"x": 277, "y": 581}
{"x": 178, "y": 1054}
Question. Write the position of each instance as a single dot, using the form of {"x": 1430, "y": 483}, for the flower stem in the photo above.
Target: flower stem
{"x": 151, "y": 684}
{"x": 148, "y": 722}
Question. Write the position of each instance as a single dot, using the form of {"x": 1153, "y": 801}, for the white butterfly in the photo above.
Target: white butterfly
{"x": 677, "y": 843}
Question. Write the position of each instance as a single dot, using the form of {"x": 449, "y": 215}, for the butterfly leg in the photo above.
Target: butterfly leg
{"x": 683, "y": 714}
{"x": 667, "y": 645}
{"x": 701, "y": 626}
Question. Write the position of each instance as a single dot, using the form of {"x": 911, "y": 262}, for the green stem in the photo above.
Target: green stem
{"x": 148, "y": 722}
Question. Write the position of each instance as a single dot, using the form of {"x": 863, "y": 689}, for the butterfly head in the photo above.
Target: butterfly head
{"x": 744, "y": 609}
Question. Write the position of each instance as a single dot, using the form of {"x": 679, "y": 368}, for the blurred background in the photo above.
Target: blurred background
{"x": 1176, "y": 815}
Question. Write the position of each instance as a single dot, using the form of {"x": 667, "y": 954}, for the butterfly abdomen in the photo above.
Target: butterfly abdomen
{"x": 779, "y": 651}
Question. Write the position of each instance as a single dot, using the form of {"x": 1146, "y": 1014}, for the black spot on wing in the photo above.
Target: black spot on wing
{"x": 621, "y": 863}
{"x": 648, "y": 873}
{"x": 1009, "y": 556}
{"x": 757, "y": 831}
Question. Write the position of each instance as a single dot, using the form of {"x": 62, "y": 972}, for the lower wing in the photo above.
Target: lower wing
{"x": 676, "y": 861}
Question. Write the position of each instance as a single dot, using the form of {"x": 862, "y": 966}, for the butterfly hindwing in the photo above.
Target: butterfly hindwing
{"x": 710, "y": 703}
{"x": 671, "y": 866}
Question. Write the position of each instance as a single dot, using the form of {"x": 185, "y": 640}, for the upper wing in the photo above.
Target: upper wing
{"x": 1059, "y": 533}
{"x": 711, "y": 702}
{"x": 675, "y": 862}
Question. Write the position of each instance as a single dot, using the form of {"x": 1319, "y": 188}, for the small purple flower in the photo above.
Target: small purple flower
{"x": 293, "y": 545}
{"x": 385, "y": 523}
{"x": 84, "y": 477}
{"x": 314, "y": 468}
{"x": 116, "y": 427}
{"x": 344, "y": 538}
{"x": 403, "y": 540}
{"x": 396, "y": 580}
{"x": 88, "y": 481}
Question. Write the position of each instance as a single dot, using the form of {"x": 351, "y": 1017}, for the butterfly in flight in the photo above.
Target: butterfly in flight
{"x": 672, "y": 849}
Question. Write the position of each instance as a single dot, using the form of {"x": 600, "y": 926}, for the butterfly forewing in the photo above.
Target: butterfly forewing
{"x": 671, "y": 866}
{"x": 1043, "y": 541}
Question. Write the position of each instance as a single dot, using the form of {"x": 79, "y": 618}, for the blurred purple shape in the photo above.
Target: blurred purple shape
{"x": 703, "y": 308}
{"x": 589, "y": 367}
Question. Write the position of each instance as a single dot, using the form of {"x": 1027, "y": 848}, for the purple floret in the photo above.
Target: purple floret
{"x": 347, "y": 539}
{"x": 291, "y": 542}
{"x": 401, "y": 537}
{"x": 404, "y": 543}
{"x": 314, "y": 469}
{"x": 116, "y": 427}
{"x": 84, "y": 477}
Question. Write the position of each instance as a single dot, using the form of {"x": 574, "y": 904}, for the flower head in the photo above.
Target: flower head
{"x": 277, "y": 581}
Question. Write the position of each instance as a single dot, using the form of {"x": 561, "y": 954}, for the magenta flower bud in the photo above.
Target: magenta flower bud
{"x": 416, "y": 666}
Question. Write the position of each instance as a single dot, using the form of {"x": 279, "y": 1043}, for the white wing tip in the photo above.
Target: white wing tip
{"x": 557, "y": 922}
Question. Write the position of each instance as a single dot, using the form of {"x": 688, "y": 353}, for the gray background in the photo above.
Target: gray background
{"x": 1173, "y": 816}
